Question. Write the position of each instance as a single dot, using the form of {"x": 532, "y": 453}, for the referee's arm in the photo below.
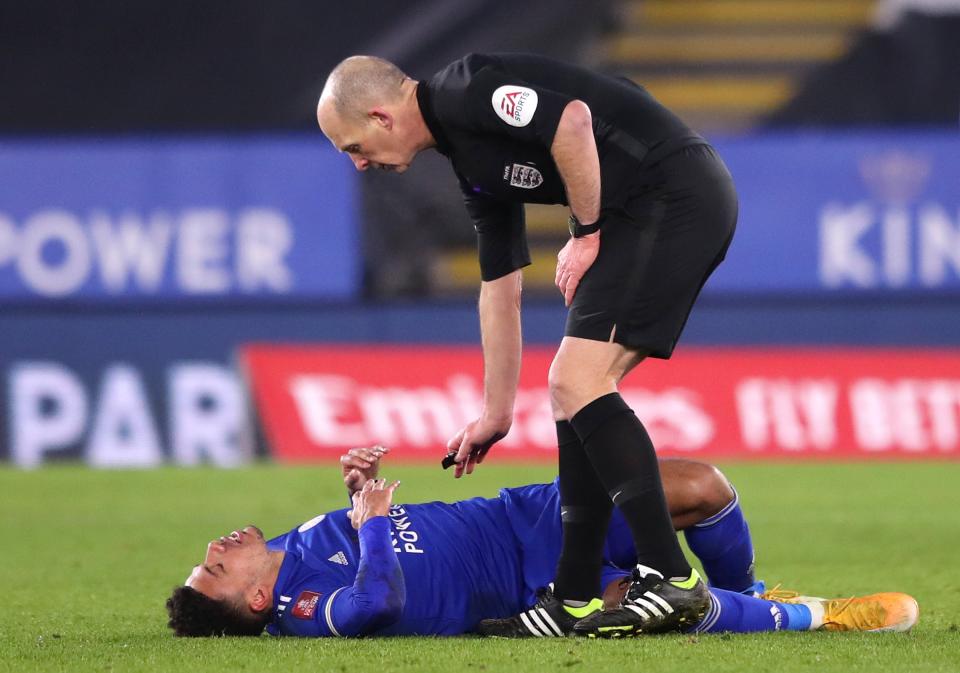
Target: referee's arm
{"x": 574, "y": 150}
{"x": 502, "y": 248}
{"x": 500, "y": 331}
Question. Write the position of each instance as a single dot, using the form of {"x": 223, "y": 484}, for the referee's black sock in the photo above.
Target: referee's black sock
{"x": 623, "y": 457}
{"x": 585, "y": 509}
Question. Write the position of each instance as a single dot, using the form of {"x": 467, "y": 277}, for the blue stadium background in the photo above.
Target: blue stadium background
{"x": 158, "y": 211}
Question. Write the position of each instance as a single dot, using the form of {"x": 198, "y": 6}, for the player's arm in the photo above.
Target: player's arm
{"x": 377, "y": 596}
{"x": 360, "y": 465}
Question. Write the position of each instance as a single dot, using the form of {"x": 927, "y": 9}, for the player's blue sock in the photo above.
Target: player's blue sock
{"x": 723, "y": 545}
{"x": 736, "y": 613}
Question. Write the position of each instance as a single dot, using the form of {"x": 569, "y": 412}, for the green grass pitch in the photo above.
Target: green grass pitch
{"x": 87, "y": 559}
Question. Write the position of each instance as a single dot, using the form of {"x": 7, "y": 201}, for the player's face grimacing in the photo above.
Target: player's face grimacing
{"x": 232, "y": 565}
{"x": 376, "y": 141}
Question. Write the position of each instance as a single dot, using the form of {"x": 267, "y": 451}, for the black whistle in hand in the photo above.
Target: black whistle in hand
{"x": 449, "y": 460}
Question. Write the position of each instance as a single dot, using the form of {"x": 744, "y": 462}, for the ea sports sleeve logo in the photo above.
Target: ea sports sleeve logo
{"x": 515, "y": 104}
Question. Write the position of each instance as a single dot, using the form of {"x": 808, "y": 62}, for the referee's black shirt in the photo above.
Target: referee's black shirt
{"x": 494, "y": 117}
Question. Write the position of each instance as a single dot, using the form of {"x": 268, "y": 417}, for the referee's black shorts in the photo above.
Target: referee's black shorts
{"x": 656, "y": 253}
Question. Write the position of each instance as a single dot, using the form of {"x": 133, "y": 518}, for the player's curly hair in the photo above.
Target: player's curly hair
{"x": 193, "y": 614}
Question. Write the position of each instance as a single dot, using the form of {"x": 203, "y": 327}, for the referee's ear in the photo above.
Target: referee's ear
{"x": 382, "y": 117}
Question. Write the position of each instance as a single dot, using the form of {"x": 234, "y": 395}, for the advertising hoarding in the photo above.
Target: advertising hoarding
{"x": 844, "y": 214}
{"x": 139, "y": 222}
{"x": 315, "y": 401}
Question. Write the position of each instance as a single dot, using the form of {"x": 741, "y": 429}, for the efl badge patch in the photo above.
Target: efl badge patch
{"x": 524, "y": 177}
{"x": 515, "y": 104}
{"x": 306, "y": 605}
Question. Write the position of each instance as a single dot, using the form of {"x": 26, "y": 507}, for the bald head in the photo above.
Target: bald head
{"x": 369, "y": 110}
{"x": 359, "y": 83}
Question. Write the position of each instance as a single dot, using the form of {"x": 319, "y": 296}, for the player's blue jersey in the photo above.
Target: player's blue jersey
{"x": 461, "y": 562}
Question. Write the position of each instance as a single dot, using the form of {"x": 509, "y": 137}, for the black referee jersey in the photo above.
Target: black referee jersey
{"x": 495, "y": 115}
{"x": 668, "y": 206}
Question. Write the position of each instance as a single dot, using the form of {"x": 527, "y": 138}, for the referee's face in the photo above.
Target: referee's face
{"x": 376, "y": 141}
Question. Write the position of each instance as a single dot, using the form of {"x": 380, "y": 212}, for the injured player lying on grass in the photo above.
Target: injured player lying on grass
{"x": 453, "y": 568}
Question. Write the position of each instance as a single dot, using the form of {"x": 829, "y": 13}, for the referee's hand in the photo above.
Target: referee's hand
{"x": 473, "y": 442}
{"x": 573, "y": 261}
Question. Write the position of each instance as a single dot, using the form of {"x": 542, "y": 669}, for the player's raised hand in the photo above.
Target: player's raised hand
{"x": 573, "y": 261}
{"x": 360, "y": 465}
{"x": 473, "y": 442}
{"x": 374, "y": 499}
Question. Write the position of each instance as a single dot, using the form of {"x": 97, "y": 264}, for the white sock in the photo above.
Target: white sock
{"x": 816, "y": 614}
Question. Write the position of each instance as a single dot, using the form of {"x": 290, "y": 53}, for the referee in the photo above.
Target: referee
{"x": 652, "y": 212}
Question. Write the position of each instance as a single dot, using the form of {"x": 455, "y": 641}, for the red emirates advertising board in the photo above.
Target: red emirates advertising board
{"x": 316, "y": 401}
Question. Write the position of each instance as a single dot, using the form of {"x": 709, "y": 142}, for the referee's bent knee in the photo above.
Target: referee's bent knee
{"x": 569, "y": 394}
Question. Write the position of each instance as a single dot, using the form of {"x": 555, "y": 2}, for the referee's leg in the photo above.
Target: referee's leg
{"x": 583, "y": 388}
